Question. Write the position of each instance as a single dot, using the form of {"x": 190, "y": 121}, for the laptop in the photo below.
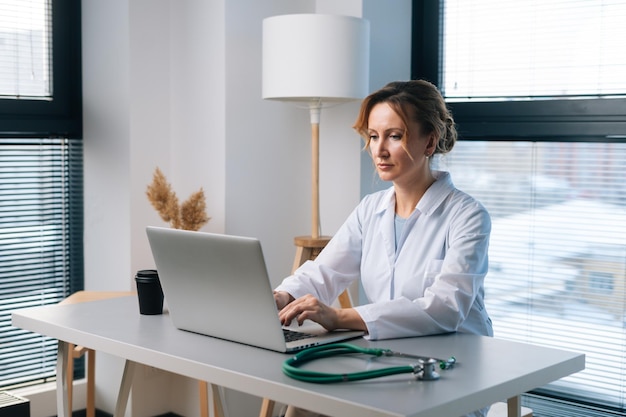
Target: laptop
{"x": 217, "y": 285}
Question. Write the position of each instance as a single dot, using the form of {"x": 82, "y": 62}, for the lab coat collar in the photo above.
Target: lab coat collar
{"x": 436, "y": 193}
{"x": 434, "y": 196}
{"x": 387, "y": 201}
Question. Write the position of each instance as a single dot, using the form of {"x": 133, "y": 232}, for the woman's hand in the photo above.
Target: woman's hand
{"x": 309, "y": 307}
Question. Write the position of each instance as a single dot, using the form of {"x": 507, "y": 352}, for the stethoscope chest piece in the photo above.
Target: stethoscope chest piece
{"x": 427, "y": 370}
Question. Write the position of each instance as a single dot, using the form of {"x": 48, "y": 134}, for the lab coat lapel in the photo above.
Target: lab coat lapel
{"x": 387, "y": 212}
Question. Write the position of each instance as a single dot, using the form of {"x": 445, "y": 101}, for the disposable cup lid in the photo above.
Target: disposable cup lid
{"x": 147, "y": 275}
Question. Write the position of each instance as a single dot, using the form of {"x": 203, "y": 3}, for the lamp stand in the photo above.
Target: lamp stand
{"x": 308, "y": 247}
{"x": 315, "y": 110}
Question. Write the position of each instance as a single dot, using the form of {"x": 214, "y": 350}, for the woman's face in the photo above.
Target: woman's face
{"x": 386, "y": 130}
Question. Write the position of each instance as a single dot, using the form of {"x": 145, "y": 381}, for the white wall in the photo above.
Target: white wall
{"x": 177, "y": 84}
{"x": 390, "y": 61}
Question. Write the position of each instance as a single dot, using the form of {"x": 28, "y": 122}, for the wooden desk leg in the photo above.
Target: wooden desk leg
{"x": 514, "y": 406}
{"x": 91, "y": 383}
{"x": 204, "y": 398}
{"x": 218, "y": 409}
{"x": 62, "y": 361}
{"x": 267, "y": 408}
{"x": 127, "y": 381}
{"x": 69, "y": 377}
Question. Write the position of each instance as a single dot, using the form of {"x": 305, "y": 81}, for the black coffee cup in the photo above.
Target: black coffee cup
{"x": 149, "y": 292}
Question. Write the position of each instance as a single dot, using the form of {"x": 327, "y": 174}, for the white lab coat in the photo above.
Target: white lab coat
{"x": 433, "y": 282}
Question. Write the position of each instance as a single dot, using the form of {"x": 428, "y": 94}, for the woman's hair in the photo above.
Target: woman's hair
{"x": 418, "y": 101}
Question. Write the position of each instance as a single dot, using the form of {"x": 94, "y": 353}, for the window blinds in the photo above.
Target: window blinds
{"x": 25, "y": 49}
{"x": 557, "y": 274}
{"x": 40, "y": 245}
{"x": 509, "y": 49}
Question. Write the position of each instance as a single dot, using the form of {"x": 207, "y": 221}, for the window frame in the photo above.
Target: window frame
{"x": 59, "y": 119}
{"x": 61, "y": 116}
{"x": 581, "y": 119}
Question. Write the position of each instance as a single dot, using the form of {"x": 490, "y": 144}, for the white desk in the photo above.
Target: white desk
{"x": 488, "y": 370}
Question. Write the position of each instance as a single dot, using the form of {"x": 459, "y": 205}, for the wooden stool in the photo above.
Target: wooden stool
{"x": 307, "y": 249}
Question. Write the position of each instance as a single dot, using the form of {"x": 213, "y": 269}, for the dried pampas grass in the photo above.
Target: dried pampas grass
{"x": 190, "y": 215}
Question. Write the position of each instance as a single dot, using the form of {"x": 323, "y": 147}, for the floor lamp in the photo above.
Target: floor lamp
{"x": 316, "y": 61}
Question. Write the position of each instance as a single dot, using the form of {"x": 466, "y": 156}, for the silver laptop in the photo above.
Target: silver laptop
{"x": 217, "y": 285}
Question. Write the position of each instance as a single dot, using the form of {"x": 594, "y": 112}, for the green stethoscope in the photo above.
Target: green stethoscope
{"x": 424, "y": 370}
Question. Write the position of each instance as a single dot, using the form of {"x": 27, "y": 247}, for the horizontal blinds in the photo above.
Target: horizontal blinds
{"x": 546, "y": 406}
{"x": 40, "y": 245}
{"x": 557, "y": 274}
{"x": 25, "y": 49}
{"x": 508, "y": 49}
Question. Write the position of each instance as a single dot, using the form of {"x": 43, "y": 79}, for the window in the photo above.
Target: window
{"x": 508, "y": 49}
{"x": 557, "y": 274}
{"x": 25, "y": 49}
{"x": 601, "y": 283}
{"x": 538, "y": 93}
{"x": 23, "y": 110}
{"x": 41, "y": 215}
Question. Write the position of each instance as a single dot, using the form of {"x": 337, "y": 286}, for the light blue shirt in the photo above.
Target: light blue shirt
{"x": 431, "y": 282}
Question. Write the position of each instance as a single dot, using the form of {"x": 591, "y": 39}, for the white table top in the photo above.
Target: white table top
{"x": 488, "y": 369}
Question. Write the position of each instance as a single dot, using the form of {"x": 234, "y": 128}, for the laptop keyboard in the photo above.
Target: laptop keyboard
{"x": 291, "y": 335}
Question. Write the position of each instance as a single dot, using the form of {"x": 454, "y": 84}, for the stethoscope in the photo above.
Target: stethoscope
{"x": 425, "y": 369}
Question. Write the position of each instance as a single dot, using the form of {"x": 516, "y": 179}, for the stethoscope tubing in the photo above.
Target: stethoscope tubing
{"x": 291, "y": 367}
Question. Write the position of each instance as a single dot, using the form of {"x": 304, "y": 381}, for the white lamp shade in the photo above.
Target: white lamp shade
{"x": 315, "y": 56}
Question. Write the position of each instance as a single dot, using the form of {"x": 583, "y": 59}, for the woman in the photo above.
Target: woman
{"x": 419, "y": 247}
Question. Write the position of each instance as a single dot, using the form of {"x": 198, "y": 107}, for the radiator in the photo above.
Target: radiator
{"x": 13, "y": 406}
